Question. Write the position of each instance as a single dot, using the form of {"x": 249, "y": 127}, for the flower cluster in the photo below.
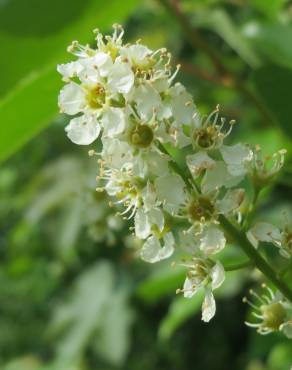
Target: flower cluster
{"x": 125, "y": 94}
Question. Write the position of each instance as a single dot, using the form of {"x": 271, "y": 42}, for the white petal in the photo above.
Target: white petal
{"x": 153, "y": 252}
{"x": 157, "y": 163}
{"x": 83, "y": 130}
{"x": 71, "y": 98}
{"x": 218, "y": 176}
{"x": 183, "y": 108}
{"x": 217, "y": 275}
{"x": 121, "y": 78}
{"x": 286, "y": 328}
{"x": 136, "y": 54}
{"x": 236, "y": 157}
{"x": 252, "y": 239}
{"x": 69, "y": 70}
{"x": 149, "y": 196}
{"x": 189, "y": 289}
{"x": 168, "y": 247}
{"x": 155, "y": 216}
{"x": 116, "y": 153}
{"x": 265, "y": 232}
{"x": 150, "y": 250}
{"x": 170, "y": 190}
{"x": 103, "y": 62}
{"x": 208, "y": 306}
{"x": 199, "y": 162}
{"x": 113, "y": 121}
{"x": 147, "y": 100}
{"x": 142, "y": 226}
{"x": 213, "y": 240}
{"x": 231, "y": 201}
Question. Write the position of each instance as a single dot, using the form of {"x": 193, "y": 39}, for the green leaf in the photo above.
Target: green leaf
{"x": 33, "y": 103}
{"x": 280, "y": 356}
{"x": 162, "y": 282}
{"x": 179, "y": 311}
{"x": 273, "y": 83}
{"x": 220, "y": 22}
{"x": 34, "y": 34}
{"x": 272, "y": 41}
{"x": 27, "y": 110}
{"x": 270, "y": 8}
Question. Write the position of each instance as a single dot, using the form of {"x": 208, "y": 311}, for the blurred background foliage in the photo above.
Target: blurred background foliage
{"x": 73, "y": 295}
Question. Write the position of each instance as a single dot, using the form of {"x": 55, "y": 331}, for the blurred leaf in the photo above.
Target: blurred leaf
{"x": 220, "y": 22}
{"x": 273, "y": 41}
{"x": 270, "y": 8}
{"x": 162, "y": 282}
{"x": 280, "y": 356}
{"x": 97, "y": 315}
{"x": 274, "y": 83}
{"x": 33, "y": 104}
{"x": 83, "y": 313}
{"x": 113, "y": 340}
{"x": 24, "y": 363}
{"x": 180, "y": 310}
{"x": 38, "y": 32}
{"x": 27, "y": 110}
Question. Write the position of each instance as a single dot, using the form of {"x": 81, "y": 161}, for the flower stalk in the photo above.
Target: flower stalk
{"x": 240, "y": 238}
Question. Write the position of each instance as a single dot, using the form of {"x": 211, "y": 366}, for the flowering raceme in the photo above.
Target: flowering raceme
{"x": 125, "y": 95}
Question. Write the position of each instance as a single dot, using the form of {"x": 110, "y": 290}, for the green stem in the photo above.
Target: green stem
{"x": 185, "y": 175}
{"x": 254, "y": 256}
{"x": 238, "y": 266}
{"x": 252, "y": 209}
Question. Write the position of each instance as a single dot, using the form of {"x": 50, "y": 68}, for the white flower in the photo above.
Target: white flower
{"x": 208, "y": 239}
{"x": 206, "y": 133}
{"x": 265, "y": 232}
{"x": 152, "y": 250}
{"x": 207, "y": 275}
{"x": 263, "y": 169}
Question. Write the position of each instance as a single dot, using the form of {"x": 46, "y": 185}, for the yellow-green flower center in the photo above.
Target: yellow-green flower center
{"x": 201, "y": 208}
{"x": 206, "y": 137}
{"x": 141, "y": 136}
{"x": 95, "y": 96}
{"x": 273, "y": 315}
